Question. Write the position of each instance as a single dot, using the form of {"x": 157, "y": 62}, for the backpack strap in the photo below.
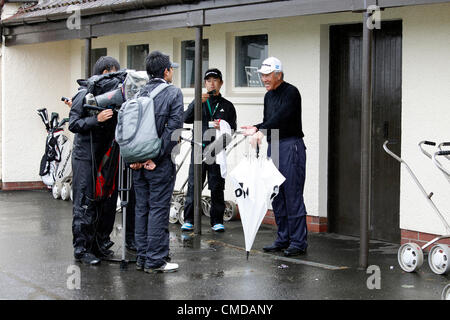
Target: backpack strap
{"x": 158, "y": 89}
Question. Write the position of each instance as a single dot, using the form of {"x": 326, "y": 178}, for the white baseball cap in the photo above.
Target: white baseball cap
{"x": 270, "y": 65}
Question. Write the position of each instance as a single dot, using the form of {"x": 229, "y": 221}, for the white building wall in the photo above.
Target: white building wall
{"x": 302, "y": 45}
{"x": 425, "y": 113}
{"x": 0, "y": 114}
{"x": 34, "y": 76}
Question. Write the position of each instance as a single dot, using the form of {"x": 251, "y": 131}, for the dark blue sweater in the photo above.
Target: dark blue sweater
{"x": 283, "y": 111}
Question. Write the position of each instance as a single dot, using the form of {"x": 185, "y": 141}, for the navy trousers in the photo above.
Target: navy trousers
{"x": 153, "y": 190}
{"x": 288, "y": 206}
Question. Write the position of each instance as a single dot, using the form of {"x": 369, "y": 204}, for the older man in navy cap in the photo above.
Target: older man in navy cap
{"x": 283, "y": 112}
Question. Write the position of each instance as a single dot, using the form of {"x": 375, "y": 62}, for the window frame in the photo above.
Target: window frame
{"x": 181, "y": 62}
{"x": 129, "y": 44}
{"x": 231, "y": 63}
{"x": 92, "y": 58}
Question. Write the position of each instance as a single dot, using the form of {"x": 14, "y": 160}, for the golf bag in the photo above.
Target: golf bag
{"x": 56, "y": 163}
{"x": 105, "y": 182}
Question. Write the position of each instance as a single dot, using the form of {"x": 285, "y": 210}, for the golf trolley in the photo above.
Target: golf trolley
{"x": 410, "y": 255}
{"x": 56, "y": 163}
{"x": 178, "y": 197}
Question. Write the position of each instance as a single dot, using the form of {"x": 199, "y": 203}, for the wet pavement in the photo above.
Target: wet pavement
{"x": 36, "y": 262}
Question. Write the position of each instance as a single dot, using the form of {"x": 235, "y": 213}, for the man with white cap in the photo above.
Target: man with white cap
{"x": 282, "y": 112}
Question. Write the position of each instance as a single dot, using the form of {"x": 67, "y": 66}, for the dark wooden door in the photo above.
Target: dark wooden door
{"x": 344, "y": 161}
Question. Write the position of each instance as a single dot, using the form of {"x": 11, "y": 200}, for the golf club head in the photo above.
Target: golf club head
{"x": 42, "y": 114}
{"x": 45, "y": 113}
{"x": 63, "y": 121}
{"x": 54, "y": 120}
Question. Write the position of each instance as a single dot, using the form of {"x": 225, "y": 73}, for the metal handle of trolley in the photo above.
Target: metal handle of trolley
{"x": 410, "y": 255}
{"x": 237, "y": 132}
{"x": 439, "y": 165}
{"x": 428, "y": 143}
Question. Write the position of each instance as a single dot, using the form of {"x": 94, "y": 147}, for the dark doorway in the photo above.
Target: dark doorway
{"x": 344, "y": 161}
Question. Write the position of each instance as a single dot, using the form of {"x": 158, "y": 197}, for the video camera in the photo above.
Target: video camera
{"x": 109, "y": 100}
{"x": 134, "y": 81}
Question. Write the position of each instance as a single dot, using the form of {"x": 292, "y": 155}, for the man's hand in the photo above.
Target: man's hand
{"x": 136, "y": 166}
{"x": 256, "y": 139}
{"x": 249, "y": 130}
{"x": 205, "y": 97}
{"x": 105, "y": 115}
{"x": 149, "y": 165}
{"x": 68, "y": 102}
{"x": 216, "y": 124}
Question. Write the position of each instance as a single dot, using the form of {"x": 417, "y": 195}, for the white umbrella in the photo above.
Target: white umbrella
{"x": 256, "y": 183}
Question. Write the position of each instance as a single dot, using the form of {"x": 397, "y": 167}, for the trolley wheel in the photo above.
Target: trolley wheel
{"x": 206, "y": 205}
{"x": 56, "y": 190}
{"x": 181, "y": 215}
{"x": 438, "y": 259}
{"x": 179, "y": 198}
{"x": 446, "y": 292}
{"x": 410, "y": 257}
{"x": 230, "y": 211}
{"x": 65, "y": 191}
{"x": 174, "y": 208}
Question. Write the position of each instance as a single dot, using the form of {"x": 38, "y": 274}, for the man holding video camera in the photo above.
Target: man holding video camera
{"x": 214, "y": 108}
{"x": 93, "y": 221}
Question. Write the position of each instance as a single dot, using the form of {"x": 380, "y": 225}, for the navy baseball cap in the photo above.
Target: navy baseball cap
{"x": 213, "y": 73}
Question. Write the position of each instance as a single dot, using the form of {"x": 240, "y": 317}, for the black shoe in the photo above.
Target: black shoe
{"x": 106, "y": 245}
{"x": 87, "y": 258}
{"x": 104, "y": 254}
{"x": 273, "y": 248}
{"x": 131, "y": 246}
{"x": 291, "y": 251}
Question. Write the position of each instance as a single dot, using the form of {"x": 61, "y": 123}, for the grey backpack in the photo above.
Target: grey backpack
{"x": 136, "y": 131}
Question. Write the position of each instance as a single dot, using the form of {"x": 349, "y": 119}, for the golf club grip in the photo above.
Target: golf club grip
{"x": 443, "y": 153}
{"x": 429, "y": 143}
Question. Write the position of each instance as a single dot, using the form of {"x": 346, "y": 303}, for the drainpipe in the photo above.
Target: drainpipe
{"x": 198, "y": 185}
{"x": 366, "y": 141}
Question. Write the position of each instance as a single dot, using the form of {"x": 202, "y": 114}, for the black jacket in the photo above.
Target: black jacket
{"x": 84, "y": 124}
{"x": 225, "y": 111}
{"x": 169, "y": 107}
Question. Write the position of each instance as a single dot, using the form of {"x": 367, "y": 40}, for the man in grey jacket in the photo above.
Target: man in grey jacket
{"x": 154, "y": 180}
